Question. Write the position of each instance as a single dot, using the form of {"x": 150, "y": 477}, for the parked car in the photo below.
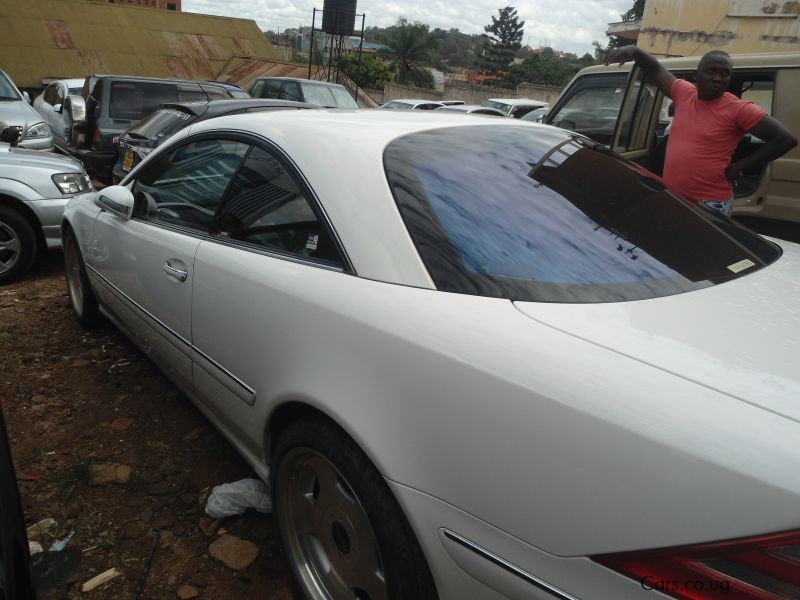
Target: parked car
{"x": 536, "y": 115}
{"x": 470, "y": 109}
{"x": 16, "y": 111}
{"x": 411, "y": 104}
{"x": 230, "y": 90}
{"x": 50, "y": 104}
{"x": 141, "y": 139}
{"x": 110, "y": 104}
{"x": 16, "y": 578}
{"x": 477, "y": 360}
{"x": 514, "y": 107}
{"x": 34, "y": 188}
{"x": 321, "y": 93}
{"x": 616, "y": 108}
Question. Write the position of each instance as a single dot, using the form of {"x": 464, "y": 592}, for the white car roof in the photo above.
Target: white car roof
{"x": 517, "y": 101}
{"x": 340, "y": 153}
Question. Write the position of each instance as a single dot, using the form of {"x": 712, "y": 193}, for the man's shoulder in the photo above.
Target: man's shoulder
{"x": 681, "y": 88}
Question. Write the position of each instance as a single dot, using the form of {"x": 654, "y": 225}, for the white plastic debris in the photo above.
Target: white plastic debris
{"x": 234, "y": 498}
{"x": 34, "y": 547}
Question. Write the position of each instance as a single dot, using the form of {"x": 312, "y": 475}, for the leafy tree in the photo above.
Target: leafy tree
{"x": 635, "y": 13}
{"x": 503, "y": 39}
{"x": 409, "y": 47}
{"x": 456, "y": 49}
{"x": 547, "y": 68}
{"x": 371, "y": 72}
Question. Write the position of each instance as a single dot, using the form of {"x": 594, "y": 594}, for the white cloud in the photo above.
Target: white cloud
{"x": 569, "y": 25}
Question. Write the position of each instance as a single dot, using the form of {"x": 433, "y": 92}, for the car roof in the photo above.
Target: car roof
{"x": 740, "y": 61}
{"x": 517, "y": 101}
{"x": 469, "y": 108}
{"x": 212, "y": 108}
{"x": 352, "y": 142}
{"x": 162, "y": 79}
{"x": 316, "y": 81}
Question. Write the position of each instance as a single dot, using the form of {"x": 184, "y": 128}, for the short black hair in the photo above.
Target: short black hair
{"x": 714, "y": 54}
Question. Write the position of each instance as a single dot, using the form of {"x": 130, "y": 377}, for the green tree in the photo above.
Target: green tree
{"x": 370, "y": 72}
{"x": 409, "y": 47}
{"x": 503, "y": 39}
{"x": 547, "y": 68}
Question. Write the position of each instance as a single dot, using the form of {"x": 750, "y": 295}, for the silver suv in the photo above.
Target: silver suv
{"x": 34, "y": 189}
{"x": 16, "y": 111}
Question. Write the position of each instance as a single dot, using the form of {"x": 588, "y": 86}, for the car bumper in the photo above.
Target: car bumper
{"x": 45, "y": 143}
{"x": 98, "y": 163}
{"x": 49, "y": 212}
{"x": 469, "y": 558}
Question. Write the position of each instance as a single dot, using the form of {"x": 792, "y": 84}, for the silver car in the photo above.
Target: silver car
{"x": 50, "y": 105}
{"x": 16, "y": 111}
{"x": 34, "y": 188}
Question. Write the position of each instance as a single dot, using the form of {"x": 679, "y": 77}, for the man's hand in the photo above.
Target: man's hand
{"x": 621, "y": 55}
{"x": 733, "y": 170}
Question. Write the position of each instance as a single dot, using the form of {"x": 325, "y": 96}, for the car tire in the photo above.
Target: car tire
{"x": 17, "y": 245}
{"x": 81, "y": 296}
{"x": 343, "y": 530}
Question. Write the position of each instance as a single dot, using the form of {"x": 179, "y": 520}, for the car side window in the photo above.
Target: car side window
{"x": 266, "y": 206}
{"x": 51, "y": 94}
{"x": 255, "y": 92}
{"x": 184, "y": 187}
{"x": 290, "y": 90}
{"x": 591, "y": 106}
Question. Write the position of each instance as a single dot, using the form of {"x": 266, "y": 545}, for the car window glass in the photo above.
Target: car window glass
{"x": 290, "y": 90}
{"x": 579, "y": 111}
{"x": 272, "y": 89}
{"x": 256, "y": 90}
{"x": 132, "y": 100}
{"x": 534, "y": 214}
{"x": 318, "y": 94}
{"x": 267, "y": 207}
{"x": 191, "y": 93}
{"x": 760, "y": 93}
{"x": 162, "y": 123}
{"x": 184, "y": 187}
{"x": 215, "y": 93}
{"x": 7, "y": 91}
{"x": 59, "y": 94}
{"x": 50, "y": 94}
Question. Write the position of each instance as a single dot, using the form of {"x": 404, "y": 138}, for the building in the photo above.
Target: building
{"x": 162, "y": 4}
{"x": 692, "y": 28}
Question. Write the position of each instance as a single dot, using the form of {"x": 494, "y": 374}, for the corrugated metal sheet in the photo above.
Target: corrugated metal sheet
{"x": 41, "y": 39}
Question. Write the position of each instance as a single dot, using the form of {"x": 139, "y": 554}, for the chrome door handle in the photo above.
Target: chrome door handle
{"x": 180, "y": 274}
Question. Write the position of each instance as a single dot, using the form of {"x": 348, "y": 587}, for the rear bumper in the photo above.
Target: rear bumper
{"x": 98, "y": 163}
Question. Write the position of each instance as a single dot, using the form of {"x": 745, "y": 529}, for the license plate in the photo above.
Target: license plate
{"x": 127, "y": 162}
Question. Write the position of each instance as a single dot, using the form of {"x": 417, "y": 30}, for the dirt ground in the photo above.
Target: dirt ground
{"x": 74, "y": 400}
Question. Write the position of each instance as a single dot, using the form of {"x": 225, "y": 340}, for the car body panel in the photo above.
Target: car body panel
{"x": 502, "y": 422}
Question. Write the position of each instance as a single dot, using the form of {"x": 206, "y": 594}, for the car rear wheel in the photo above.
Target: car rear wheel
{"x": 81, "y": 297}
{"x": 343, "y": 530}
{"x": 17, "y": 245}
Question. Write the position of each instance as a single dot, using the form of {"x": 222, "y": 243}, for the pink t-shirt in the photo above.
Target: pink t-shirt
{"x": 703, "y": 137}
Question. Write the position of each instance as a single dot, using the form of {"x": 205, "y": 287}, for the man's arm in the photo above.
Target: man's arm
{"x": 647, "y": 63}
{"x": 778, "y": 141}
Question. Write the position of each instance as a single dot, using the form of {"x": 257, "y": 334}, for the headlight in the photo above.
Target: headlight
{"x": 38, "y": 130}
{"x": 72, "y": 183}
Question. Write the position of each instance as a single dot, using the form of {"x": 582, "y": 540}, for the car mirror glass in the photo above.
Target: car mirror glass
{"x": 117, "y": 200}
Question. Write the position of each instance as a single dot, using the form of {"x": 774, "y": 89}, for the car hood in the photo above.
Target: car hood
{"x": 20, "y": 157}
{"x": 741, "y": 338}
{"x": 17, "y": 112}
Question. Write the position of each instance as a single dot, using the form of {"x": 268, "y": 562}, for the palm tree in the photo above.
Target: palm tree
{"x": 408, "y": 47}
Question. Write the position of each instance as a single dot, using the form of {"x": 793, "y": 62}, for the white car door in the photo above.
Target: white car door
{"x": 146, "y": 264}
{"x": 253, "y": 275}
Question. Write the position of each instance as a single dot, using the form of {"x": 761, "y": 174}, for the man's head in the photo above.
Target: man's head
{"x": 713, "y": 74}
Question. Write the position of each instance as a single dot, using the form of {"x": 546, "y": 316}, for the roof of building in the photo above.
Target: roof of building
{"x": 59, "y": 39}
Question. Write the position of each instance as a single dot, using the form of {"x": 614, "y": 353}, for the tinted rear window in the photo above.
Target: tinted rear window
{"x": 163, "y": 122}
{"x": 133, "y": 100}
{"x": 538, "y": 214}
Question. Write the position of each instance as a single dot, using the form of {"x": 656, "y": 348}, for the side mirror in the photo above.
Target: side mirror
{"x": 117, "y": 200}
{"x": 27, "y": 97}
{"x": 59, "y": 108}
{"x": 10, "y": 135}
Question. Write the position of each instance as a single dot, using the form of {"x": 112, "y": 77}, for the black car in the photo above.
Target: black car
{"x": 141, "y": 139}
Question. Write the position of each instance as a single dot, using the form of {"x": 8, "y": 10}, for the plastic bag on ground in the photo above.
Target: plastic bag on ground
{"x": 234, "y": 498}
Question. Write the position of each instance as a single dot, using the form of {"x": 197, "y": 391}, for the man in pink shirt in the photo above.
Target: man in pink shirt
{"x": 709, "y": 123}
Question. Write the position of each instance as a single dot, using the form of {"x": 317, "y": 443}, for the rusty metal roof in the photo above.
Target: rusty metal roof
{"x": 55, "y": 39}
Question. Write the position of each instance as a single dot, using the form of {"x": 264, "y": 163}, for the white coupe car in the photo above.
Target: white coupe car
{"x": 476, "y": 360}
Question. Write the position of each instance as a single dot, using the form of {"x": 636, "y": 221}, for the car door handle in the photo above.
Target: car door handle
{"x": 179, "y": 274}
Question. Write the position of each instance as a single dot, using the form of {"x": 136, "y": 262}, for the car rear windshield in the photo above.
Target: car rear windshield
{"x": 535, "y": 213}
{"x": 328, "y": 95}
{"x": 132, "y": 100}
{"x": 164, "y": 122}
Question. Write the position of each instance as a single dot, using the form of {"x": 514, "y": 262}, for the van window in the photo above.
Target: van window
{"x": 592, "y": 105}
{"x": 133, "y": 100}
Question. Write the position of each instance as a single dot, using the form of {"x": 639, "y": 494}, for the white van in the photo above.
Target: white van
{"x": 614, "y": 106}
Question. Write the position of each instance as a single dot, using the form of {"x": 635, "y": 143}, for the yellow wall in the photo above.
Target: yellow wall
{"x": 693, "y": 27}
{"x": 54, "y": 39}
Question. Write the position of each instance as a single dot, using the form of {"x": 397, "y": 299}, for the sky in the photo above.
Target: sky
{"x": 568, "y": 25}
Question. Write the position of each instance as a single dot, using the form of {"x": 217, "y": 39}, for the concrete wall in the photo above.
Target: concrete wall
{"x": 692, "y": 28}
{"x": 470, "y": 94}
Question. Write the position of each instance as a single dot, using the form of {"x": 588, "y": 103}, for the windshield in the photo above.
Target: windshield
{"x": 162, "y": 123}
{"x": 327, "y": 95}
{"x": 501, "y": 106}
{"x": 534, "y": 213}
{"x": 7, "y": 90}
